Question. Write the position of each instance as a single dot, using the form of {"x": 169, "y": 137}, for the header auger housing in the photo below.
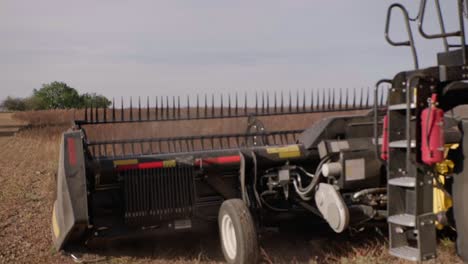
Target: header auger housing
{"x": 363, "y": 167}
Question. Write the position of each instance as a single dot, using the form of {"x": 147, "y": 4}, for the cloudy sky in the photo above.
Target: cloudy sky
{"x": 123, "y": 48}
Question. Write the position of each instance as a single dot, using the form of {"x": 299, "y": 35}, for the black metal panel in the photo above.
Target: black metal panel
{"x": 148, "y": 146}
{"x": 158, "y": 194}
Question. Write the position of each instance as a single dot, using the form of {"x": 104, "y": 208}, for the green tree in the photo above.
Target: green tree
{"x": 94, "y": 100}
{"x": 56, "y": 95}
{"x": 14, "y": 104}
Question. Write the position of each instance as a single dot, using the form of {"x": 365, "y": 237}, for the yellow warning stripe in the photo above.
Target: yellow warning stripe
{"x": 285, "y": 152}
{"x": 169, "y": 163}
{"x": 125, "y": 162}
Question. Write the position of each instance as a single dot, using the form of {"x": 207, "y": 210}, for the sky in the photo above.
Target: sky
{"x": 148, "y": 48}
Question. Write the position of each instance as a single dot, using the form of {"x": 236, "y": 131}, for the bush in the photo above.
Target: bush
{"x": 14, "y": 104}
{"x": 55, "y": 95}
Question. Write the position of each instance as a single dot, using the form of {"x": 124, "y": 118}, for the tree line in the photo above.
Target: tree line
{"x": 55, "y": 95}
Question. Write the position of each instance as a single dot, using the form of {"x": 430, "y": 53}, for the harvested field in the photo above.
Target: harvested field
{"x": 28, "y": 165}
{"x": 9, "y": 125}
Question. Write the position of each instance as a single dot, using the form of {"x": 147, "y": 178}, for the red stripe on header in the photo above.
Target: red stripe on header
{"x": 126, "y": 167}
{"x": 219, "y": 160}
{"x": 145, "y": 165}
{"x": 151, "y": 165}
{"x": 71, "y": 151}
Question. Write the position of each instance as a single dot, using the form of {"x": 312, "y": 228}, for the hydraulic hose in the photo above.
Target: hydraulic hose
{"x": 306, "y": 193}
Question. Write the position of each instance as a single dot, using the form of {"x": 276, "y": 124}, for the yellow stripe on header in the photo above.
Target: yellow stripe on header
{"x": 169, "y": 163}
{"x": 292, "y": 151}
{"x": 125, "y": 162}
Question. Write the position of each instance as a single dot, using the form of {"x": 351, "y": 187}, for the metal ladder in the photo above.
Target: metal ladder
{"x": 410, "y": 188}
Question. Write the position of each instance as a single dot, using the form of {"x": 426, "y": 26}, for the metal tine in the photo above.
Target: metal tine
{"x": 188, "y": 107}
{"x": 96, "y": 112}
{"x": 179, "y": 149}
{"x": 222, "y": 107}
{"x": 212, "y": 105}
{"x": 178, "y": 106}
{"x": 311, "y": 100}
{"x": 229, "y": 104}
{"x": 91, "y": 113}
{"x": 156, "y": 108}
{"x": 100, "y": 147}
{"x": 245, "y": 103}
{"x": 341, "y": 101}
{"x": 173, "y": 108}
{"x": 361, "y": 101}
{"x": 354, "y": 98}
{"x": 198, "y": 106}
{"x": 263, "y": 101}
{"x": 147, "y": 108}
{"x": 187, "y": 145}
{"x": 346, "y": 99}
{"x": 303, "y": 100}
{"x": 275, "y": 103}
{"x": 267, "y": 102}
{"x": 318, "y": 100}
{"x": 324, "y": 104}
{"x": 256, "y": 102}
{"x": 139, "y": 108}
{"x": 131, "y": 109}
{"x": 167, "y": 107}
{"x": 206, "y": 105}
{"x": 113, "y": 109}
{"x": 297, "y": 100}
{"x": 122, "y": 118}
{"x": 104, "y": 108}
{"x": 290, "y": 102}
{"x": 333, "y": 99}
{"x": 329, "y": 99}
{"x": 367, "y": 98}
{"x": 220, "y": 139}
{"x": 237, "y": 106}
{"x": 161, "y": 108}
{"x": 282, "y": 102}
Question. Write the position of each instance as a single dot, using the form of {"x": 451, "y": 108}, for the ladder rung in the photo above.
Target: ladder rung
{"x": 401, "y": 106}
{"x": 406, "y": 252}
{"x": 402, "y": 144}
{"x": 403, "y": 181}
{"x": 402, "y": 219}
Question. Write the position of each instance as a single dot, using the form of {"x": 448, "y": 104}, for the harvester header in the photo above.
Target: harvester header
{"x": 394, "y": 155}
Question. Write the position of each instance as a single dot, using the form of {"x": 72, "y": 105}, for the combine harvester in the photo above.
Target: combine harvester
{"x": 402, "y": 163}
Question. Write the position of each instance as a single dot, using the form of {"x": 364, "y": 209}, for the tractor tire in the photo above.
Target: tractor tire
{"x": 237, "y": 233}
